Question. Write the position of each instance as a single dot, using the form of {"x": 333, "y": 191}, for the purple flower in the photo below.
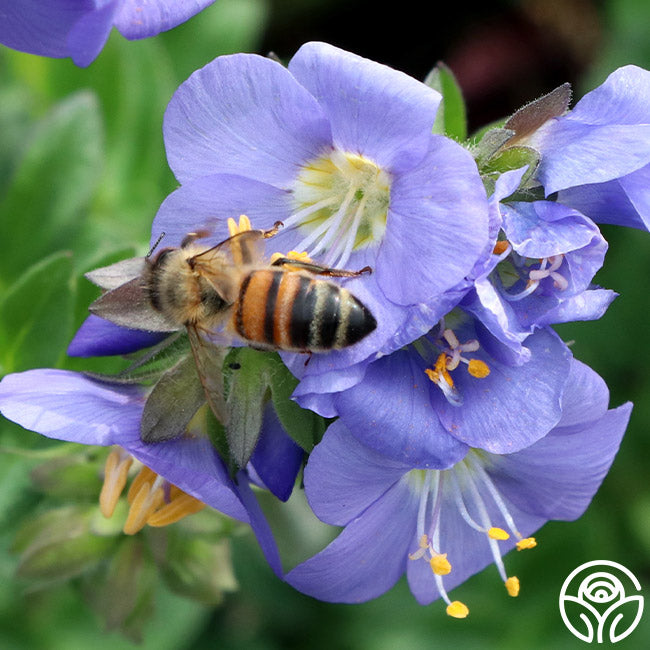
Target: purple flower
{"x": 70, "y": 406}
{"x": 80, "y": 28}
{"x": 340, "y": 149}
{"x": 597, "y": 156}
{"x": 541, "y": 269}
{"x": 454, "y": 388}
{"x": 441, "y": 527}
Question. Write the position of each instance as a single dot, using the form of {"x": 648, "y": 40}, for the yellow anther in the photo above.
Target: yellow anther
{"x": 176, "y": 509}
{"x": 498, "y": 533}
{"x": 512, "y": 586}
{"x": 302, "y": 257}
{"x": 439, "y": 371}
{"x": 457, "y": 609}
{"x": 500, "y": 247}
{"x": 423, "y": 544}
{"x": 528, "y": 542}
{"x": 478, "y": 368}
{"x": 235, "y": 229}
{"x": 115, "y": 475}
{"x": 440, "y": 564}
{"x": 145, "y": 475}
{"x": 144, "y": 503}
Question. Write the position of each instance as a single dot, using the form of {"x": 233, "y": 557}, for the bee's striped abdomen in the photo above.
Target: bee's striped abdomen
{"x": 294, "y": 311}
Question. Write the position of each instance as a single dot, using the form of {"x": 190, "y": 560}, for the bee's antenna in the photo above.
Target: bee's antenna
{"x": 153, "y": 248}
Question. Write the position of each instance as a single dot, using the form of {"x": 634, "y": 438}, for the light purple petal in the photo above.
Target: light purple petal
{"x": 585, "y": 398}
{"x": 68, "y": 406}
{"x": 610, "y": 203}
{"x": 259, "y": 524}
{"x": 344, "y": 477}
{"x": 90, "y": 33}
{"x": 545, "y": 228}
{"x": 243, "y": 114}
{"x": 369, "y": 555}
{"x": 514, "y": 405}
{"x": 588, "y": 305}
{"x": 437, "y": 226}
{"x": 390, "y": 411}
{"x": 142, "y": 18}
{"x": 375, "y": 111}
{"x": 40, "y": 27}
{"x": 557, "y": 477}
{"x": 98, "y": 337}
{"x": 574, "y": 153}
{"x": 621, "y": 99}
{"x": 207, "y": 203}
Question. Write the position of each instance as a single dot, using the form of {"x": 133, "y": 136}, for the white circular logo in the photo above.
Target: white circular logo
{"x": 600, "y": 600}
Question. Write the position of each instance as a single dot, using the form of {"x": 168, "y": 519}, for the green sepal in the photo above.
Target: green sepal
{"x": 36, "y": 315}
{"x": 305, "y": 427}
{"x": 451, "y": 118}
{"x": 514, "y": 158}
{"x": 197, "y": 567}
{"x": 246, "y": 383}
{"x": 121, "y": 591}
{"x": 173, "y": 402}
{"x": 488, "y": 146}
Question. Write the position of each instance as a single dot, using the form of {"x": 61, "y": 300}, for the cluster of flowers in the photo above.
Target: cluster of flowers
{"x": 462, "y": 423}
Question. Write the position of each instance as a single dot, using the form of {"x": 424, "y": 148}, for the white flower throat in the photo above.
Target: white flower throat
{"x": 341, "y": 204}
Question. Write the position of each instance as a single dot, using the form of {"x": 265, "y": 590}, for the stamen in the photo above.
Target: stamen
{"x": 498, "y": 533}
{"x": 457, "y": 609}
{"x": 526, "y": 543}
{"x": 501, "y": 247}
{"x": 150, "y": 497}
{"x": 244, "y": 225}
{"x": 512, "y": 586}
{"x": 439, "y": 564}
{"x": 478, "y": 368}
{"x": 116, "y": 471}
{"x": 145, "y": 475}
{"x": 180, "y": 506}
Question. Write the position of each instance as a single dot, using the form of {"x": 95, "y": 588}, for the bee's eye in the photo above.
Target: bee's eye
{"x": 160, "y": 258}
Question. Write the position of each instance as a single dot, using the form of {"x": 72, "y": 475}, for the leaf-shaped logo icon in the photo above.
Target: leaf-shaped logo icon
{"x": 594, "y": 604}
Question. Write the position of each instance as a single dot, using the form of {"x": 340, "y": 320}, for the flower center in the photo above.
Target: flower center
{"x": 468, "y": 488}
{"x": 341, "y": 205}
{"x": 450, "y": 354}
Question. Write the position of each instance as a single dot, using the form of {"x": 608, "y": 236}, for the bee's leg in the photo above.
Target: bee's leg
{"x": 317, "y": 269}
{"x": 273, "y": 231}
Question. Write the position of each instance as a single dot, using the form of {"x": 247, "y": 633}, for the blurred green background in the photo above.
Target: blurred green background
{"x": 82, "y": 173}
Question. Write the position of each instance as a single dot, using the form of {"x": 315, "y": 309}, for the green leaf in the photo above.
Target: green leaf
{"x": 514, "y": 158}
{"x": 53, "y": 184}
{"x": 451, "y": 118}
{"x": 36, "y": 316}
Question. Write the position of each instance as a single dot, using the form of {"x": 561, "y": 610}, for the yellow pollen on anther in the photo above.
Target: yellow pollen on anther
{"x": 528, "y": 542}
{"x": 440, "y": 564}
{"x": 456, "y": 609}
{"x": 144, "y": 503}
{"x": 498, "y": 533}
{"x": 115, "y": 474}
{"x": 235, "y": 229}
{"x": 439, "y": 371}
{"x": 478, "y": 368}
{"x": 145, "y": 475}
{"x": 500, "y": 247}
{"x": 179, "y": 507}
{"x": 512, "y": 586}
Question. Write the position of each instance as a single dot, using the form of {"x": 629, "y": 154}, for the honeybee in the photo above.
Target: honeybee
{"x": 278, "y": 305}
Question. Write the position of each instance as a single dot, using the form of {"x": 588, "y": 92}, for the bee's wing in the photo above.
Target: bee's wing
{"x": 241, "y": 249}
{"x": 129, "y": 305}
{"x": 209, "y": 362}
{"x": 115, "y": 275}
